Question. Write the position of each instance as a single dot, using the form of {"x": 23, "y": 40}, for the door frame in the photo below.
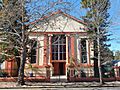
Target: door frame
{"x": 59, "y": 61}
{"x": 57, "y": 69}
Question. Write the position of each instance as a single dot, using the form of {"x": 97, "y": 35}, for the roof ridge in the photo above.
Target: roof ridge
{"x": 58, "y": 12}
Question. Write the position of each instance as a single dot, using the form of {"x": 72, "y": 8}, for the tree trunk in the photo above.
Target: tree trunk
{"x": 21, "y": 69}
{"x": 23, "y": 52}
{"x": 99, "y": 59}
{"x": 96, "y": 70}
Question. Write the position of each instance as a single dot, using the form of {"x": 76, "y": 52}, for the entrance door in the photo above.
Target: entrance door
{"x": 59, "y": 68}
{"x": 62, "y": 68}
{"x": 59, "y": 54}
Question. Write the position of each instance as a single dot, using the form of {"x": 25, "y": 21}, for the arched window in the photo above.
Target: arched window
{"x": 33, "y": 48}
{"x": 58, "y": 47}
{"x": 83, "y": 51}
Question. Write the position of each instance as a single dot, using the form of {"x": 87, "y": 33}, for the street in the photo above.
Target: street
{"x": 88, "y": 88}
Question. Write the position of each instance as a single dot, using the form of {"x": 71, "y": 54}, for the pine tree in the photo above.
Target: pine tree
{"x": 97, "y": 19}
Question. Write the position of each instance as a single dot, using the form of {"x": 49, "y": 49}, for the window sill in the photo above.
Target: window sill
{"x": 58, "y": 60}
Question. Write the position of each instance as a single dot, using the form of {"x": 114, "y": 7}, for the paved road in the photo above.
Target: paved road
{"x": 93, "y": 88}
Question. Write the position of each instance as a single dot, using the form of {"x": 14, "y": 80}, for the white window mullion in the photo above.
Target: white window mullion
{"x": 79, "y": 50}
{"x": 59, "y": 49}
{"x": 87, "y": 48}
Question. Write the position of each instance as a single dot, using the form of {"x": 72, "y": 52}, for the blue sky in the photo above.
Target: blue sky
{"x": 114, "y": 28}
{"x": 114, "y": 11}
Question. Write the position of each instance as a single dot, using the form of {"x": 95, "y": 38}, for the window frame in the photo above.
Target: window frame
{"x": 60, "y": 49}
{"x": 35, "y": 54}
{"x": 84, "y": 51}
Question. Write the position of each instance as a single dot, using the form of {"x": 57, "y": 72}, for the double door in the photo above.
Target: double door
{"x": 59, "y": 68}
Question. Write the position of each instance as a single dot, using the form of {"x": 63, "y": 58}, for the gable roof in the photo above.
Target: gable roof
{"x": 59, "y": 12}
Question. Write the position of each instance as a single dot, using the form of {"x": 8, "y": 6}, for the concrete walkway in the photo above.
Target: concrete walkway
{"x": 13, "y": 85}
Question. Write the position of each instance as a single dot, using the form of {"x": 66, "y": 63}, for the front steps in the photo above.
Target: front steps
{"x": 61, "y": 78}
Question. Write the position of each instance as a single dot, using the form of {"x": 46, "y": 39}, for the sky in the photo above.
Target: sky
{"x": 114, "y": 27}
{"x": 114, "y": 18}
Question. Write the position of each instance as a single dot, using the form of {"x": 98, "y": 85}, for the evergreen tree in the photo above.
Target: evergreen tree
{"x": 97, "y": 19}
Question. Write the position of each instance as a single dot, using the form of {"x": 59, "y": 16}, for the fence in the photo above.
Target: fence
{"x": 85, "y": 74}
{"x": 88, "y": 74}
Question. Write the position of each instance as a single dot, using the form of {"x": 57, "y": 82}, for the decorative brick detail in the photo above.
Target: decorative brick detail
{"x": 72, "y": 47}
{"x": 50, "y": 48}
{"x": 45, "y": 62}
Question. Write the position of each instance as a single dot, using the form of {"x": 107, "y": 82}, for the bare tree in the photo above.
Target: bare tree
{"x": 15, "y": 24}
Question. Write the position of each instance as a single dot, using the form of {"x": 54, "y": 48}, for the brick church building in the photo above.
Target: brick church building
{"x": 63, "y": 48}
{"x": 62, "y": 45}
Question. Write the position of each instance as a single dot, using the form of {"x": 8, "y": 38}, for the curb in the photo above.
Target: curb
{"x": 58, "y": 86}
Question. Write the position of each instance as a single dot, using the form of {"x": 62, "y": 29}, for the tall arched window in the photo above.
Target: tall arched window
{"x": 33, "y": 48}
{"x": 83, "y": 51}
{"x": 58, "y": 47}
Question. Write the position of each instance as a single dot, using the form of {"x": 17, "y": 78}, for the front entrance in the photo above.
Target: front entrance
{"x": 59, "y": 68}
{"x": 59, "y": 54}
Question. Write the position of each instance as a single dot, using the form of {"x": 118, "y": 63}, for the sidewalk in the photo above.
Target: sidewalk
{"x": 58, "y": 85}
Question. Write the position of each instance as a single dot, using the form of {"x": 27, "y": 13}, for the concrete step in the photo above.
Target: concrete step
{"x": 58, "y": 78}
